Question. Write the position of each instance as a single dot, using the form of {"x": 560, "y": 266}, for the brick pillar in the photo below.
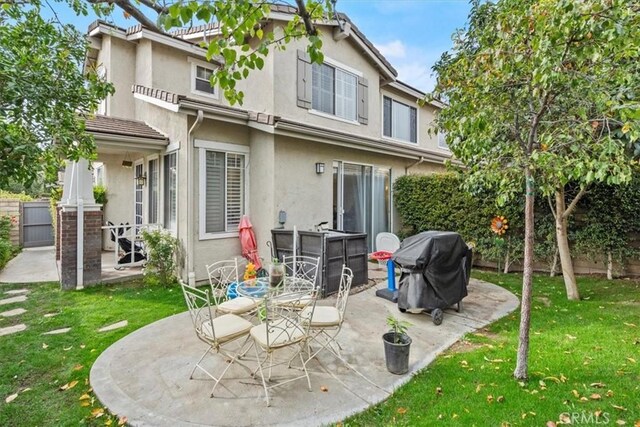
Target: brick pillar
{"x": 57, "y": 234}
{"x": 92, "y": 268}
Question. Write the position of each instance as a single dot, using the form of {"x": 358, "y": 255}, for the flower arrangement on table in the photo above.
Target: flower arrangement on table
{"x": 250, "y": 272}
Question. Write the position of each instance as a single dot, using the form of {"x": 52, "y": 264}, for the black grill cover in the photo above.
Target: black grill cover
{"x": 435, "y": 270}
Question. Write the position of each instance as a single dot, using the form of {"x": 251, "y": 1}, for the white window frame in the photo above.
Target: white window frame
{"x": 204, "y": 146}
{"x": 159, "y": 206}
{"x": 339, "y": 65}
{"x": 442, "y": 144}
{"x": 388, "y": 138}
{"x": 198, "y": 63}
{"x": 163, "y": 199}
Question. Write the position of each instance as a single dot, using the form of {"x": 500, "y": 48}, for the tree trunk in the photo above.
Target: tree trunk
{"x": 507, "y": 262}
{"x": 554, "y": 265}
{"x": 562, "y": 237}
{"x": 609, "y": 266}
{"x": 522, "y": 364}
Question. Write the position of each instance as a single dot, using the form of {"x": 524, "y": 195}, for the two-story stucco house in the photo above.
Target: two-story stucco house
{"x": 311, "y": 143}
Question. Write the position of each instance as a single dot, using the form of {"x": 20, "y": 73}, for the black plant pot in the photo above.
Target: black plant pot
{"x": 396, "y": 352}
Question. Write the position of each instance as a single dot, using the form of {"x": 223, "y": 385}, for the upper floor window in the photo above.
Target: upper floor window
{"x": 400, "y": 120}
{"x": 201, "y": 73}
{"x": 335, "y": 91}
{"x": 442, "y": 140}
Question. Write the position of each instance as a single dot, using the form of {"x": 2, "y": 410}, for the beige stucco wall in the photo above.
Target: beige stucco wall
{"x": 308, "y": 197}
{"x": 209, "y": 250}
{"x": 343, "y": 51}
{"x": 121, "y": 72}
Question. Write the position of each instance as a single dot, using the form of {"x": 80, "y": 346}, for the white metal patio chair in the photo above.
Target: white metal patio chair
{"x": 300, "y": 269}
{"x": 221, "y": 275}
{"x": 283, "y": 327}
{"x": 216, "y": 332}
{"x": 325, "y": 322}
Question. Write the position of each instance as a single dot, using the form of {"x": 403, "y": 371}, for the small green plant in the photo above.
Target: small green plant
{"x": 398, "y": 327}
{"x": 100, "y": 194}
{"x": 162, "y": 254}
{"x": 7, "y": 250}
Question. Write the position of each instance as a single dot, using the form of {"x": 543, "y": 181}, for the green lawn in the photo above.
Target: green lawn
{"x": 584, "y": 359}
{"x": 44, "y": 363}
{"x": 591, "y": 346}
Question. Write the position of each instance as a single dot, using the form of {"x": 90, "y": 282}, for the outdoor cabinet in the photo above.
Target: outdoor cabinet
{"x": 334, "y": 248}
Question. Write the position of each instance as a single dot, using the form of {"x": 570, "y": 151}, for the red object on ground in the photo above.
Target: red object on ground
{"x": 248, "y": 242}
{"x": 381, "y": 255}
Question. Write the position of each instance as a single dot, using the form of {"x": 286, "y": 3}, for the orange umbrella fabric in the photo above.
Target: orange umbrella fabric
{"x": 248, "y": 242}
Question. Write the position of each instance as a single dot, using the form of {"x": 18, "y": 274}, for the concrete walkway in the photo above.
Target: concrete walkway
{"x": 32, "y": 265}
{"x": 145, "y": 376}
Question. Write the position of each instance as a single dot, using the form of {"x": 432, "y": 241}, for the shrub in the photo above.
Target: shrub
{"x": 15, "y": 196}
{"x": 7, "y": 250}
{"x": 606, "y": 224}
{"x": 162, "y": 256}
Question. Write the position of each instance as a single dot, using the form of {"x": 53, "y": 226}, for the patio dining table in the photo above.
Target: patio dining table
{"x": 261, "y": 287}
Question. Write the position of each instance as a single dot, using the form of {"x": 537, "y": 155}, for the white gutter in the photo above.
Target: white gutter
{"x": 190, "y": 220}
{"x": 79, "y": 231}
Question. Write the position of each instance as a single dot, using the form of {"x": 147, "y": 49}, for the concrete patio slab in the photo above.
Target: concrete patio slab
{"x": 32, "y": 265}
{"x": 145, "y": 376}
{"x": 114, "y": 326}
{"x": 12, "y": 329}
{"x": 12, "y": 300}
{"x": 57, "y": 331}
{"x": 14, "y": 312}
{"x": 17, "y": 292}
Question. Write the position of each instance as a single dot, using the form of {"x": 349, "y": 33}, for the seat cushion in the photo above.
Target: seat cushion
{"x": 238, "y": 305}
{"x": 227, "y": 327}
{"x": 323, "y": 316}
{"x": 281, "y": 334}
{"x": 296, "y": 302}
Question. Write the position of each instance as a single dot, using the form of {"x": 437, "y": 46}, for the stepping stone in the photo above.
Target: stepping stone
{"x": 20, "y": 298}
{"x": 57, "y": 331}
{"x": 118, "y": 325}
{"x": 12, "y": 329}
{"x": 17, "y": 292}
{"x": 14, "y": 312}
{"x": 51, "y": 314}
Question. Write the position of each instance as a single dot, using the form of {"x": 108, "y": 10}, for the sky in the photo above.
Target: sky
{"x": 411, "y": 34}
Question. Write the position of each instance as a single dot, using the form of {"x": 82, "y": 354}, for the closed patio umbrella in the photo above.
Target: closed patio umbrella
{"x": 248, "y": 242}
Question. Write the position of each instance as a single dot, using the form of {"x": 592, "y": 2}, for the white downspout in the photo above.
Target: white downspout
{"x": 416, "y": 163}
{"x": 191, "y": 275}
{"x": 79, "y": 231}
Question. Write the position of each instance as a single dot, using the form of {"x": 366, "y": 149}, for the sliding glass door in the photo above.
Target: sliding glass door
{"x": 361, "y": 199}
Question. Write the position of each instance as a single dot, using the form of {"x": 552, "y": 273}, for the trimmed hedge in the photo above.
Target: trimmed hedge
{"x": 607, "y": 219}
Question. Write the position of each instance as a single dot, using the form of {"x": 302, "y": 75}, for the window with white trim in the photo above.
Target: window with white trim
{"x": 334, "y": 91}
{"x": 222, "y": 190}
{"x": 400, "y": 121}
{"x": 442, "y": 140}
{"x": 170, "y": 192}
{"x": 202, "y": 80}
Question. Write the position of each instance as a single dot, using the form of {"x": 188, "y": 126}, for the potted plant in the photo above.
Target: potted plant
{"x": 396, "y": 346}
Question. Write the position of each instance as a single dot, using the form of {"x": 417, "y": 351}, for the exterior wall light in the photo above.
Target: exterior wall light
{"x": 319, "y": 168}
{"x": 141, "y": 180}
